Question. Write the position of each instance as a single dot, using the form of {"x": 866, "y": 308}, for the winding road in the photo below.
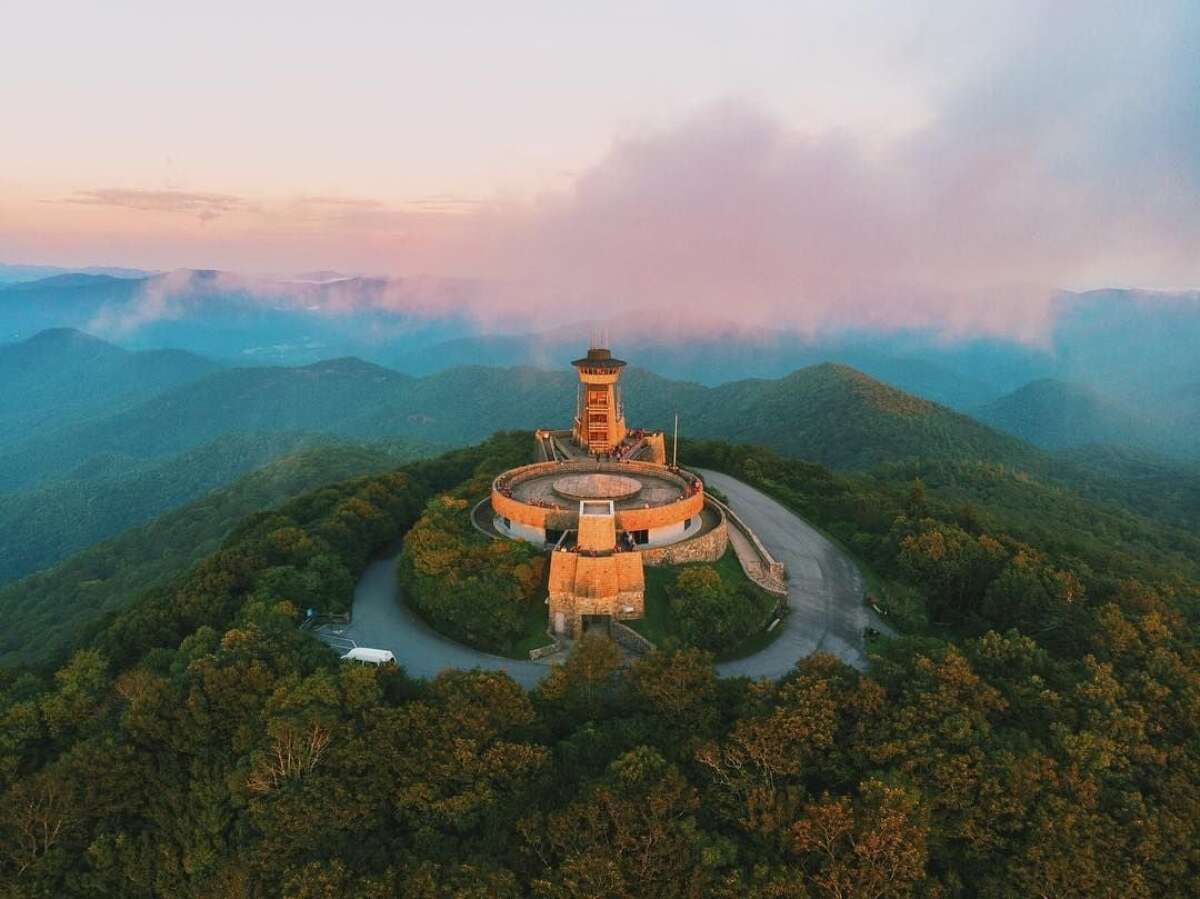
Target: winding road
{"x": 825, "y": 588}
{"x": 382, "y": 621}
{"x": 825, "y": 595}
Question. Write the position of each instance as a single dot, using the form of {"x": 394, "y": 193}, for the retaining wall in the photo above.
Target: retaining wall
{"x": 706, "y": 547}
{"x": 764, "y": 569}
{"x": 627, "y": 637}
{"x": 541, "y": 652}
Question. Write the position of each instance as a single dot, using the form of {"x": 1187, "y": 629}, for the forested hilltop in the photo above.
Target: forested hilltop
{"x": 1034, "y": 732}
{"x": 45, "y": 613}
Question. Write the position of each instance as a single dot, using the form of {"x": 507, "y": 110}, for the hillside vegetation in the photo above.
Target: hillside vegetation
{"x": 486, "y": 593}
{"x": 109, "y": 494}
{"x": 63, "y": 376}
{"x": 839, "y": 417}
{"x": 1033, "y": 734}
{"x": 46, "y": 612}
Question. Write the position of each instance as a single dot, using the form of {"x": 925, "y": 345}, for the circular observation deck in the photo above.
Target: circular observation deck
{"x": 656, "y": 504}
{"x": 597, "y": 485}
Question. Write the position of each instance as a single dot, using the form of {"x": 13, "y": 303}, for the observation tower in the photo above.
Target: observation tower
{"x": 599, "y": 416}
{"x": 603, "y": 501}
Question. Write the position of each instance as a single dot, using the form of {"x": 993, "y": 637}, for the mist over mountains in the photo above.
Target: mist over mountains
{"x": 1129, "y": 348}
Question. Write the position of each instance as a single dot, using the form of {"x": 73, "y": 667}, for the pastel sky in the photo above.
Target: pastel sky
{"x": 899, "y": 163}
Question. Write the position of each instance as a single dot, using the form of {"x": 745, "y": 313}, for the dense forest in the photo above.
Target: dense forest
{"x": 45, "y": 612}
{"x": 1033, "y": 732}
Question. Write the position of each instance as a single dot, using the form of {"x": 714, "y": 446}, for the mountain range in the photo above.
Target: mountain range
{"x": 828, "y": 413}
{"x": 96, "y": 438}
{"x": 1134, "y": 346}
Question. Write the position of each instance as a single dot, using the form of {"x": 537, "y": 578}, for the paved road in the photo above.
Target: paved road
{"x": 825, "y": 588}
{"x": 380, "y": 620}
{"x": 825, "y": 593}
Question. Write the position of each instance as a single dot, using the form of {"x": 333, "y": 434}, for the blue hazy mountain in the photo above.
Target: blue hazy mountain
{"x": 15, "y": 273}
{"x": 1133, "y": 346}
{"x": 63, "y": 376}
{"x": 247, "y": 321}
{"x": 1057, "y": 415}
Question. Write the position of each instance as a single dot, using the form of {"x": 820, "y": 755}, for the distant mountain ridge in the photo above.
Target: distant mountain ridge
{"x": 63, "y": 375}
{"x": 312, "y": 399}
{"x": 1056, "y": 415}
{"x": 828, "y": 413}
{"x": 14, "y": 274}
{"x": 245, "y": 319}
{"x": 1135, "y": 346}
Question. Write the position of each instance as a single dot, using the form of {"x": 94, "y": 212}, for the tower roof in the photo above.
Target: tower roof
{"x": 598, "y": 357}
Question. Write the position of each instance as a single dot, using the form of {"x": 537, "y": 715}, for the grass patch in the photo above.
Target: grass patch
{"x": 536, "y": 623}
{"x": 658, "y": 624}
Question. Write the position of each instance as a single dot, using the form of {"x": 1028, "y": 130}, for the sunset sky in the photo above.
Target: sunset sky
{"x": 896, "y": 160}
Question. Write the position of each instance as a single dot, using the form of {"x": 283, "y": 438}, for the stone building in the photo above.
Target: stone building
{"x": 592, "y": 576}
{"x": 605, "y": 503}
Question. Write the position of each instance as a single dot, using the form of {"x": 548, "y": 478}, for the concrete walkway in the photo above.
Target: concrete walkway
{"x": 825, "y": 594}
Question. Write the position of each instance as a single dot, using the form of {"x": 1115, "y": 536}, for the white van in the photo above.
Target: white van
{"x": 369, "y": 656}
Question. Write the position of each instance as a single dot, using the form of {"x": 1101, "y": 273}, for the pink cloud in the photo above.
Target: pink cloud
{"x": 1063, "y": 162}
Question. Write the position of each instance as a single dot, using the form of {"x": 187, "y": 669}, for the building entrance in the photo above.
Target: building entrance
{"x": 597, "y": 624}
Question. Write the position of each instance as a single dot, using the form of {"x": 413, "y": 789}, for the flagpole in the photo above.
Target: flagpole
{"x": 675, "y": 444}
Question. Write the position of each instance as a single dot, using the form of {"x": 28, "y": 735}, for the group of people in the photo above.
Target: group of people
{"x": 504, "y": 488}
{"x": 624, "y": 449}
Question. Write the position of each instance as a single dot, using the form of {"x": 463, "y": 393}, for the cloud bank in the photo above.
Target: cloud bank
{"x": 1071, "y": 160}
{"x": 1063, "y": 153}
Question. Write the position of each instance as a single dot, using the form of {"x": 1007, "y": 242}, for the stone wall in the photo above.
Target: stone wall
{"x": 626, "y": 637}
{"x": 706, "y": 547}
{"x": 758, "y": 563}
{"x": 555, "y": 646}
{"x": 660, "y": 516}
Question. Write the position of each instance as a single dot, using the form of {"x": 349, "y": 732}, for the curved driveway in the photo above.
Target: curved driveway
{"x": 382, "y": 621}
{"x": 825, "y": 594}
{"x": 825, "y": 588}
